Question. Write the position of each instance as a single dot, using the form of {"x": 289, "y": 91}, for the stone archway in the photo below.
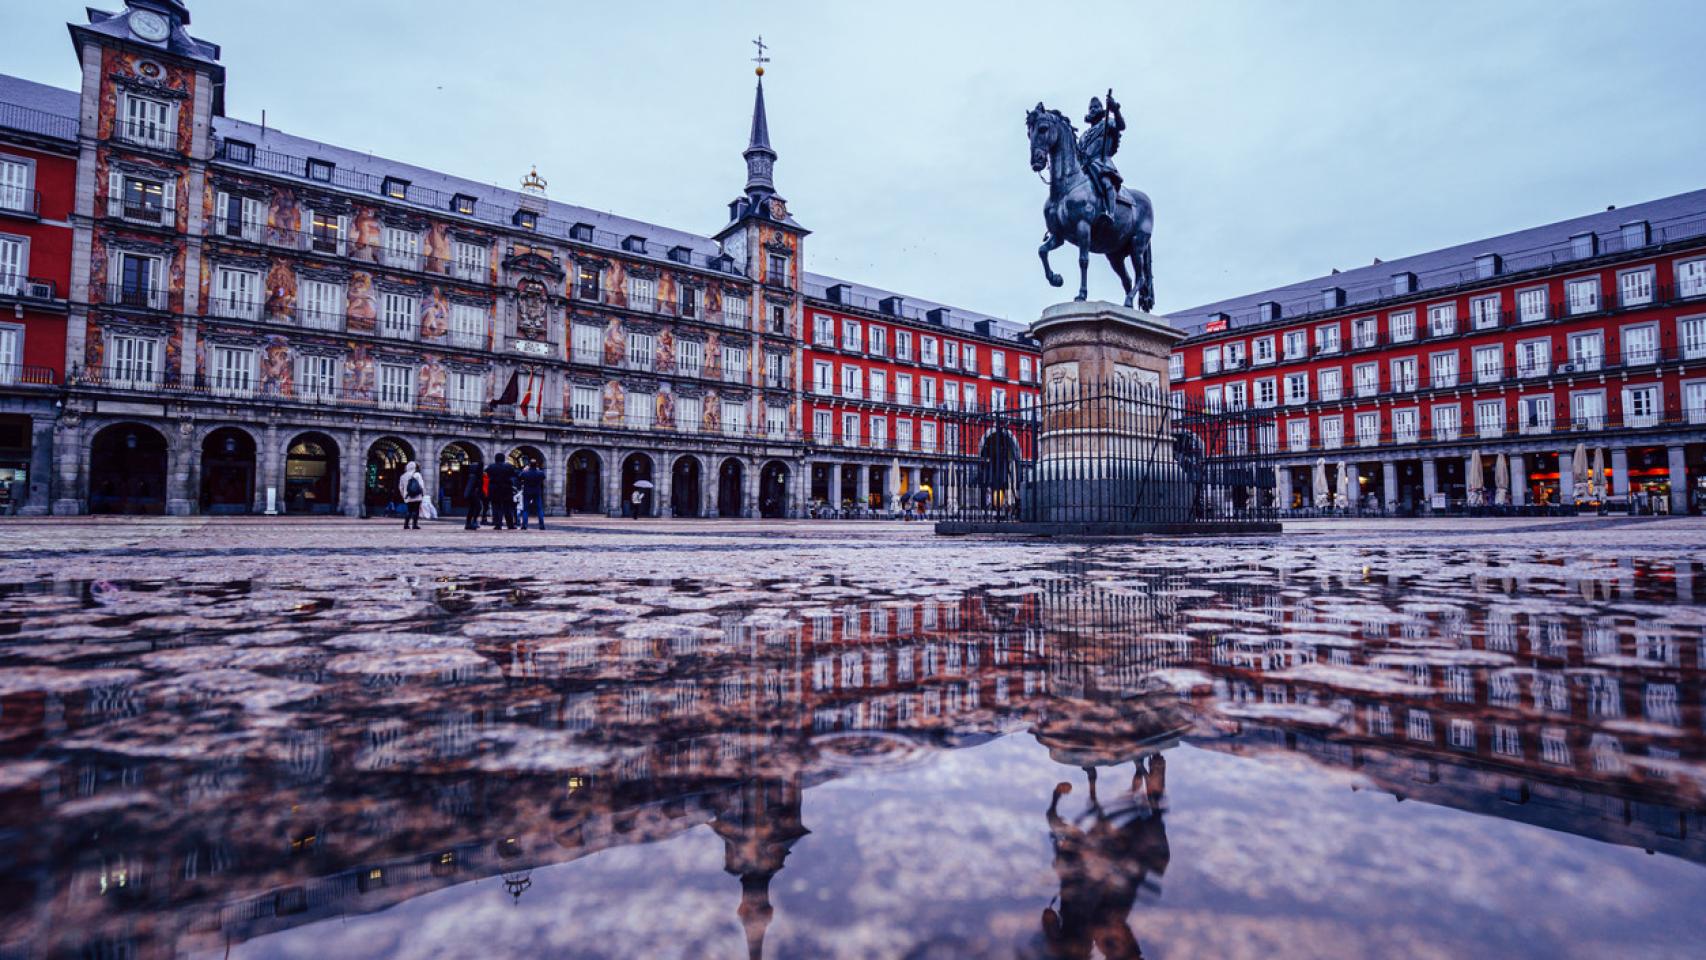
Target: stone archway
{"x": 386, "y": 459}
{"x": 311, "y": 474}
{"x": 684, "y": 487}
{"x": 585, "y": 492}
{"x": 637, "y": 476}
{"x": 127, "y": 470}
{"x": 454, "y": 462}
{"x": 730, "y": 476}
{"x": 525, "y": 456}
{"x": 227, "y": 471}
{"x": 773, "y": 490}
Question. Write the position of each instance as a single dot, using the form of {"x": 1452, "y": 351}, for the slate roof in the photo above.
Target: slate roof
{"x": 914, "y": 308}
{"x": 1670, "y": 219}
{"x": 38, "y": 108}
{"x": 279, "y": 152}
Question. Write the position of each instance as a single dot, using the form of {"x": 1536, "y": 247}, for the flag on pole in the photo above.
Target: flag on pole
{"x": 527, "y": 399}
{"x": 510, "y": 392}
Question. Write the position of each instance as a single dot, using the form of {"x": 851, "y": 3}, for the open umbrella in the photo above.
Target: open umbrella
{"x": 1344, "y": 485}
{"x": 1601, "y": 486}
{"x": 1321, "y": 492}
{"x": 1502, "y": 479}
{"x": 1579, "y": 473}
{"x": 643, "y": 484}
{"x": 1474, "y": 488}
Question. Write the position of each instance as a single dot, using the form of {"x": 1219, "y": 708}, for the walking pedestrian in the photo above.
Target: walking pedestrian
{"x": 485, "y": 499}
{"x": 533, "y": 493}
{"x": 636, "y": 500}
{"x": 500, "y": 488}
{"x": 413, "y": 488}
{"x": 474, "y": 491}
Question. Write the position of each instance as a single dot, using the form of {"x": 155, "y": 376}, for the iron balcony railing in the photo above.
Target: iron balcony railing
{"x": 1608, "y": 242}
{"x": 19, "y": 200}
{"x": 27, "y": 375}
{"x": 151, "y": 379}
{"x": 1563, "y": 429}
{"x": 147, "y": 133}
{"x": 429, "y": 199}
{"x": 136, "y": 296}
{"x": 910, "y": 400}
{"x": 38, "y": 122}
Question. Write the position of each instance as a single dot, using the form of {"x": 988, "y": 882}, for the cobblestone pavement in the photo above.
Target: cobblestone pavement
{"x": 282, "y": 737}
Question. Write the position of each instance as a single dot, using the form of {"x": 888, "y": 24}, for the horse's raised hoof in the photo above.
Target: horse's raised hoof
{"x": 1056, "y": 280}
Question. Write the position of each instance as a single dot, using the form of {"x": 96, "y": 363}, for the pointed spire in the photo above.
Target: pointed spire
{"x": 760, "y": 156}
{"x": 760, "y": 138}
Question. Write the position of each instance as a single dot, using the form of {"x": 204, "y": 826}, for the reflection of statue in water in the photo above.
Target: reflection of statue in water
{"x": 1103, "y": 857}
{"x": 759, "y": 828}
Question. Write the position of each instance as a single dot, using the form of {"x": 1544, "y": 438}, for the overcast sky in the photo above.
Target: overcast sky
{"x": 1277, "y": 140}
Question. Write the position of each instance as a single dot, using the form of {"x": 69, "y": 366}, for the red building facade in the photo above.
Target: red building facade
{"x": 1581, "y": 338}
{"x": 886, "y": 385}
{"x": 38, "y": 184}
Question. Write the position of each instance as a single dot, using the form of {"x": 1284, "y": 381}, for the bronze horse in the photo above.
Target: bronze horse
{"x": 1071, "y": 213}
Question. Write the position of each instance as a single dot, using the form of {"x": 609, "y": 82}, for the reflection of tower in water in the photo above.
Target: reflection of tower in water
{"x": 759, "y": 827}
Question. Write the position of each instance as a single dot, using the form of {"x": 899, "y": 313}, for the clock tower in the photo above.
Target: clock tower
{"x": 149, "y": 93}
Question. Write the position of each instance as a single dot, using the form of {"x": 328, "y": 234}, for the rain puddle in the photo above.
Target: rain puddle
{"x": 1104, "y": 756}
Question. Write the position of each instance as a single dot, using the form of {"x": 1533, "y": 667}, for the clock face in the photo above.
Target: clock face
{"x": 148, "y": 25}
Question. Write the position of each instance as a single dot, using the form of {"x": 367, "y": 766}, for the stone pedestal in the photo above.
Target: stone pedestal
{"x": 1105, "y": 445}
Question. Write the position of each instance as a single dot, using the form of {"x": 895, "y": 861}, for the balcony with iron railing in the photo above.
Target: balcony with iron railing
{"x": 427, "y": 199}
{"x": 27, "y": 375}
{"x": 38, "y": 122}
{"x": 234, "y": 307}
{"x": 136, "y": 296}
{"x": 19, "y": 202}
{"x": 146, "y": 133}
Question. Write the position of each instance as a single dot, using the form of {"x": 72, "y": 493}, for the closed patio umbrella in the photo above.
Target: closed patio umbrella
{"x": 1321, "y": 492}
{"x": 1474, "y": 489}
{"x": 1601, "y": 486}
{"x": 1579, "y": 473}
{"x": 1502, "y": 479}
{"x": 1344, "y": 485}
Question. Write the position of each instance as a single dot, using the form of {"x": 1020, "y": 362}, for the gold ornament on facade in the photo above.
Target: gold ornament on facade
{"x": 533, "y": 182}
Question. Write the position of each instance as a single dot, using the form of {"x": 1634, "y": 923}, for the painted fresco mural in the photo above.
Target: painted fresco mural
{"x": 772, "y": 240}
{"x": 284, "y": 218}
{"x": 174, "y": 366}
{"x": 360, "y": 372}
{"x": 435, "y": 247}
{"x": 713, "y": 412}
{"x": 664, "y": 359}
{"x": 139, "y": 71}
{"x": 435, "y": 315}
{"x": 277, "y": 371}
{"x": 713, "y": 369}
{"x": 281, "y": 291}
{"x": 431, "y": 395}
{"x": 615, "y": 344}
{"x": 365, "y": 235}
{"x": 615, "y": 404}
{"x": 361, "y": 303}
{"x": 664, "y": 415}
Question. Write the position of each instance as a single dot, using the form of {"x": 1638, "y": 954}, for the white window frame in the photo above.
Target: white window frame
{"x": 1405, "y": 373}
{"x": 1327, "y": 339}
{"x": 1406, "y": 425}
{"x": 14, "y": 263}
{"x": 1585, "y": 415}
{"x": 469, "y": 324}
{"x": 1401, "y": 326}
{"x": 585, "y": 403}
{"x": 1368, "y": 428}
{"x": 1484, "y": 311}
{"x": 1690, "y": 276}
{"x": 1262, "y": 350}
{"x": 1637, "y": 354}
{"x": 232, "y": 370}
{"x": 1488, "y": 372}
{"x": 317, "y": 376}
{"x": 251, "y": 216}
{"x": 1296, "y": 388}
{"x": 1295, "y": 344}
{"x": 17, "y": 183}
{"x": 823, "y": 378}
{"x": 1536, "y": 413}
{"x": 1581, "y": 295}
{"x": 1643, "y": 418}
{"x": 470, "y": 261}
{"x": 132, "y": 361}
{"x": 1266, "y": 393}
{"x": 1535, "y": 366}
{"x": 339, "y": 241}
{"x": 1447, "y": 421}
{"x": 320, "y": 304}
{"x": 1691, "y": 337}
{"x": 690, "y": 358}
{"x": 399, "y": 315}
{"x": 1332, "y": 432}
{"x": 1533, "y": 304}
{"x": 1443, "y": 369}
{"x": 852, "y": 336}
{"x": 1489, "y": 418}
{"x": 1330, "y": 384}
{"x": 148, "y": 121}
{"x": 393, "y": 395}
{"x": 1635, "y": 287}
{"x": 467, "y": 393}
{"x": 235, "y": 293}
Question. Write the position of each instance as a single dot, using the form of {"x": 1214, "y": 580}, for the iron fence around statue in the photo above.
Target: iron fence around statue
{"x": 1114, "y": 455}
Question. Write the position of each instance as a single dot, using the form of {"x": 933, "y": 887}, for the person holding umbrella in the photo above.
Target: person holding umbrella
{"x": 637, "y": 499}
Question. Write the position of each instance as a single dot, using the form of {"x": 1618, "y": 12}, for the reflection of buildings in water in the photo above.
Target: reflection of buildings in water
{"x": 1580, "y": 719}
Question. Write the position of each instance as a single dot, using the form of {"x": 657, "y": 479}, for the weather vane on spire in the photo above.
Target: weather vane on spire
{"x": 761, "y": 59}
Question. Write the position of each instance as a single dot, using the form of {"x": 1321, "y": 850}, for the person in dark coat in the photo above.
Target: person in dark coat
{"x": 533, "y": 493}
{"x": 500, "y": 487}
{"x": 474, "y": 491}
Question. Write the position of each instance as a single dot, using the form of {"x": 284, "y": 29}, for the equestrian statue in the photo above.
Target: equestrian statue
{"x": 1087, "y": 204}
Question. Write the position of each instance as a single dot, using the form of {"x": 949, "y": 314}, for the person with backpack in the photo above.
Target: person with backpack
{"x": 474, "y": 492}
{"x": 413, "y": 488}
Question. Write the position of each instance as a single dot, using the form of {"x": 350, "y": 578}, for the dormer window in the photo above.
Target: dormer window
{"x": 581, "y": 232}
{"x": 681, "y": 254}
{"x": 1584, "y": 245}
{"x": 526, "y": 219}
{"x": 320, "y": 170}
{"x": 395, "y": 187}
{"x": 635, "y": 244}
{"x": 463, "y": 204}
{"x": 239, "y": 151}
